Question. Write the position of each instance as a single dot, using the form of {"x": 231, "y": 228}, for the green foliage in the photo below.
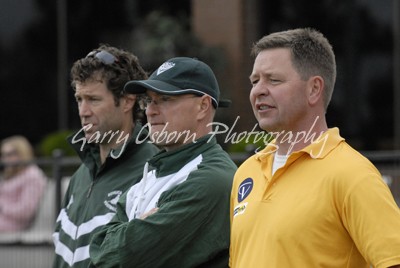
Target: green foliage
{"x": 56, "y": 140}
{"x": 160, "y": 37}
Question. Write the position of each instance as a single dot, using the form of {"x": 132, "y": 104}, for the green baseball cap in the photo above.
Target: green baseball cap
{"x": 179, "y": 76}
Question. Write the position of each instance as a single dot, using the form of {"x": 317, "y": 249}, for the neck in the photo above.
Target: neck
{"x": 201, "y": 130}
{"x": 117, "y": 139}
{"x": 297, "y": 139}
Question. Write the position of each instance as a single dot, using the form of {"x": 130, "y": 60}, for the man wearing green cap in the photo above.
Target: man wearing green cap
{"x": 178, "y": 214}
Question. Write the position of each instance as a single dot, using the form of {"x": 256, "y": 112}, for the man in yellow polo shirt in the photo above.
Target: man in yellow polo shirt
{"x": 308, "y": 199}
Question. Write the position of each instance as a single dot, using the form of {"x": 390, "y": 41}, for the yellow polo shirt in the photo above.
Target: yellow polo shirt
{"x": 326, "y": 207}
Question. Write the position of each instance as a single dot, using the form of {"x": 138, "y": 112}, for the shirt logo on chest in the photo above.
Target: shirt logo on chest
{"x": 111, "y": 202}
{"x": 244, "y": 189}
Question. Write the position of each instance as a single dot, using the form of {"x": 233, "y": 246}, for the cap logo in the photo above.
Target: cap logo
{"x": 165, "y": 66}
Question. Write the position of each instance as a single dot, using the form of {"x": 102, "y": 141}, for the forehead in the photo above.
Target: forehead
{"x": 273, "y": 61}
{"x": 91, "y": 87}
{"x": 5, "y": 147}
{"x": 274, "y": 58}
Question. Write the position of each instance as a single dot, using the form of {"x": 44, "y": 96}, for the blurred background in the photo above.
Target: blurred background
{"x": 40, "y": 39}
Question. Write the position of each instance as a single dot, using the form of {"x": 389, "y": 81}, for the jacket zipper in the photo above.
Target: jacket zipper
{"x": 93, "y": 181}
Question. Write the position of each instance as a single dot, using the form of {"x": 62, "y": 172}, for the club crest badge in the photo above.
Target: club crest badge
{"x": 244, "y": 189}
{"x": 111, "y": 202}
{"x": 165, "y": 66}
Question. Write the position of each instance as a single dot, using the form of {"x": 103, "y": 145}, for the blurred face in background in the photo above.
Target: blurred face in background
{"x": 9, "y": 155}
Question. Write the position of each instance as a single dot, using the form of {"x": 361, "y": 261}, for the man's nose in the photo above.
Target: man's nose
{"x": 84, "y": 109}
{"x": 152, "y": 108}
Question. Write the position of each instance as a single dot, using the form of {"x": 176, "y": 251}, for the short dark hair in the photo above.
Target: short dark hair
{"x": 124, "y": 67}
{"x": 312, "y": 54}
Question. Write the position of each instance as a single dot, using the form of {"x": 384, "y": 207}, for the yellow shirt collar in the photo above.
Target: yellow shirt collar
{"x": 318, "y": 148}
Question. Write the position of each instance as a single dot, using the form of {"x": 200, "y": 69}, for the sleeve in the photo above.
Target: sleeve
{"x": 191, "y": 226}
{"x": 29, "y": 197}
{"x": 231, "y": 211}
{"x": 372, "y": 218}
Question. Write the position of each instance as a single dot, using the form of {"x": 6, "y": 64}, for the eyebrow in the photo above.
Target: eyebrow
{"x": 251, "y": 76}
{"x": 85, "y": 94}
{"x": 268, "y": 74}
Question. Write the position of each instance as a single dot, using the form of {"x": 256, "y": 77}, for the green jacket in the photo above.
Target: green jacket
{"x": 92, "y": 194}
{"x": 191, "y": 187}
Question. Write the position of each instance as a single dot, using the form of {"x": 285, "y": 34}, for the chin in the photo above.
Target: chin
{"x": 269, "y": 127}
{"x": 159, "y": 137}
{"x": 90, "y": 136}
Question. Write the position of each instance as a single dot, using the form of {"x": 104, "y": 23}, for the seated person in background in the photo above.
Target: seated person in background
{"x": 21, "y": 185}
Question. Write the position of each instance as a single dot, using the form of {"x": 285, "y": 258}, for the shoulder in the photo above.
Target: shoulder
{"x": 350, "y": 164}
{"x": 141, "y": 152}
{"x": 216, "y": 159}
{"x": 251, "y": 161}
{"x": 205, "y": 183}
{"x": 34, "y": 173}
{"x": 212, "y": 177}
{"x": 80, "y": 177}
{"x": 250, "y": 167}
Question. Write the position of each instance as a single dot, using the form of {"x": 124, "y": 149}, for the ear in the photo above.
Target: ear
{"x": 315, "y": 90}
{"x": 204, "y": 106}
{"x": 128, "y": 102}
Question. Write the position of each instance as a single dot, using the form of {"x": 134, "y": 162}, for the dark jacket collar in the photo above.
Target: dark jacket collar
{"x": 166, "y": 163}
